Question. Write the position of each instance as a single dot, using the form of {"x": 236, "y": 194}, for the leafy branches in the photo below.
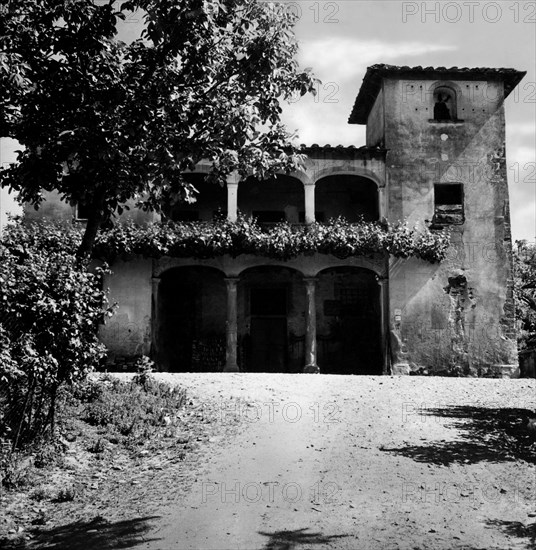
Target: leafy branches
{"x": 282, "y": 241}
{"x": 48, "y": 324}
{"x": 104, "y": 122}
{"x": 525, "y": 292}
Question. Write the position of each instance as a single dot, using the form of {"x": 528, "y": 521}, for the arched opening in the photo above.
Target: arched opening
{"x": 211, "y": 201}
{"x": 349, "y": 321}
{"x": 350, "y": 196}
{"x": 445, "y": 107}
{"x": 274, "y": 200}
{"x": 271, "y": 326}
{"x": 191, "y": 315}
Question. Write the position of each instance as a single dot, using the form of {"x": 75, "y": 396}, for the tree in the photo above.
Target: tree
{"x": 103, "y": 122}
{"x": 525, "y": 292}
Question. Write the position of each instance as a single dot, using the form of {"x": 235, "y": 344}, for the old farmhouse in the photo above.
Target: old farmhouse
{"x": 434, "y": 155}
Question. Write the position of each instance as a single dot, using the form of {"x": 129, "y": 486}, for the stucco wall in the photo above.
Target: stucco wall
{"x": 52, "y": 208}
{"x": 128, "y": 332}
{"x": 461, "y": 311}
{"x": 375, "y": 123}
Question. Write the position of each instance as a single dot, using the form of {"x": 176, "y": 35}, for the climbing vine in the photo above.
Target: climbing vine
{"x": 282, "y": 241}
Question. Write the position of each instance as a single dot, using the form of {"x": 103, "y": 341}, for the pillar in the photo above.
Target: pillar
{"x": 154, "y": 318}
{"x": 232, "y": 197}
{"x": 309, "y": 203}
{"x": 231, "y": 326}
{"x": 382, "y": 207}
{"x": 384, "y": 304}
{"x": 310, "y": 327}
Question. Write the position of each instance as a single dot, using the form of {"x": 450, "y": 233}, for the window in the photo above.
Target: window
{"x": 82, "y": 211}
{"x": 445, "y": 108}
{"x": 448, "y": 204}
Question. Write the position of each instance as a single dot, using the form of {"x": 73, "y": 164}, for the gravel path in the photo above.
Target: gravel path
{"x": 371, "y": 463}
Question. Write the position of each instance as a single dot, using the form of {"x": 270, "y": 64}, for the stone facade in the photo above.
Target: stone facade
{"x": 434, "y": 155}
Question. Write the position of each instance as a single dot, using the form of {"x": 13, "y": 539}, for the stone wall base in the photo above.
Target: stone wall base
{"x": 492, "y": 371}
{"x": 506, "y": 371}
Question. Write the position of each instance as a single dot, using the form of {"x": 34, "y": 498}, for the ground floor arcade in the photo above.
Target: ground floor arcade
{"x": 294, "y": 317}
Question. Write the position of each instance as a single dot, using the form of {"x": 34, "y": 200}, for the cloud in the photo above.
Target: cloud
{"x": 523, "y": 220}
{"x": 522, "y": 155}
{"x": 345, "y": 58}
{"x": 519, "y": 129}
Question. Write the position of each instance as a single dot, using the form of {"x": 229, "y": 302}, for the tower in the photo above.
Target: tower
{"x": 444, "y": 131}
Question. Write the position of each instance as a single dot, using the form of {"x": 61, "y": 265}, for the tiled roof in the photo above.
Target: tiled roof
{"x": 343, "y": 148}
{"x": 373, "y": 78}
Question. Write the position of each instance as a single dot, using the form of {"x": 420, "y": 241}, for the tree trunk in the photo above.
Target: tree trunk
{"x": 83, "y": 254}
{"x": 27, "y": 402}
{"x": 51, "y": 419}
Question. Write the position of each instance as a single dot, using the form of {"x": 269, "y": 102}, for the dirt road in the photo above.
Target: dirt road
{"x": 355, "y": 463}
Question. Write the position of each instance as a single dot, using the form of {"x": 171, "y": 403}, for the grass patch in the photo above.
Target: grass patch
{"x": 98, "y": 416}
{"x": 119, "y": 444}
{"x": 132, "y": 412}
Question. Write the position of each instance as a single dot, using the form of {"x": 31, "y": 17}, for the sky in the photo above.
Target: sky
{"x": 339, "y": 39}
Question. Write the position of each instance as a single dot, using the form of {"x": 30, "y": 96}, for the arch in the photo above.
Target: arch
{"x": 348, "y": 195}
{"x": 307, "y": 266}
{"x": 271, "y": 328}
{"x": 355, "y": 171}
{"x": 189, "y": 325}
{"x": 306, "y": 179}
{"x": 272, "y": 200}
{"x": 349, "y": 318}
{"x": 444, "y": 101}
{"x": 266, "y": 267}
{"x": 367, "y": 271}
{"x": 210, "y": 200}
{"x": 185, "y": 264}
{"x": 254, "y": 262}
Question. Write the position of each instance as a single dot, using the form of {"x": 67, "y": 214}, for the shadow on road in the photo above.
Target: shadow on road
{"x": 517, "y": 529}
{"x": 88, "y": 535}
{"x": 290, "y": 540}
{"x": 485, "y": 435}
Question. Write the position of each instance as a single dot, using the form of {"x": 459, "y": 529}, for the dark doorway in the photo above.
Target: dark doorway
{"x": 268, "y": 332}
{"x": 190, "y": 320}
{"x": 348, "y": 322}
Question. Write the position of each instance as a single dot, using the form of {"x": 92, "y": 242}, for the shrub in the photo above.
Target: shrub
{"x": 48, "y": 327}
{"x": 66, "y": 494}
{"x": 16, "y": 473}
{"x": 39, "y": 494}
{"x": 133, "y": 409}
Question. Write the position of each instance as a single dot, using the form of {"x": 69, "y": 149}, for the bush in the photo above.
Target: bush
{"x": 132, "y": 409}
{"x": 51, "y": 310}
{"x": 39, "y": 494}
{"x": 525, "y": 293}
{"x": 67, "y": 494}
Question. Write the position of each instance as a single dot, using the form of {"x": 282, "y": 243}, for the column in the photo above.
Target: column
{"x": 383, "y": 282}
{"x": 154, "y": 317}
{"x": 382, "y": 209}
{"x": 232, "y": 197}
{"x": 309, "y": 203}
{"x": 310, "y": 327}
{"x": 231, "y": 326}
